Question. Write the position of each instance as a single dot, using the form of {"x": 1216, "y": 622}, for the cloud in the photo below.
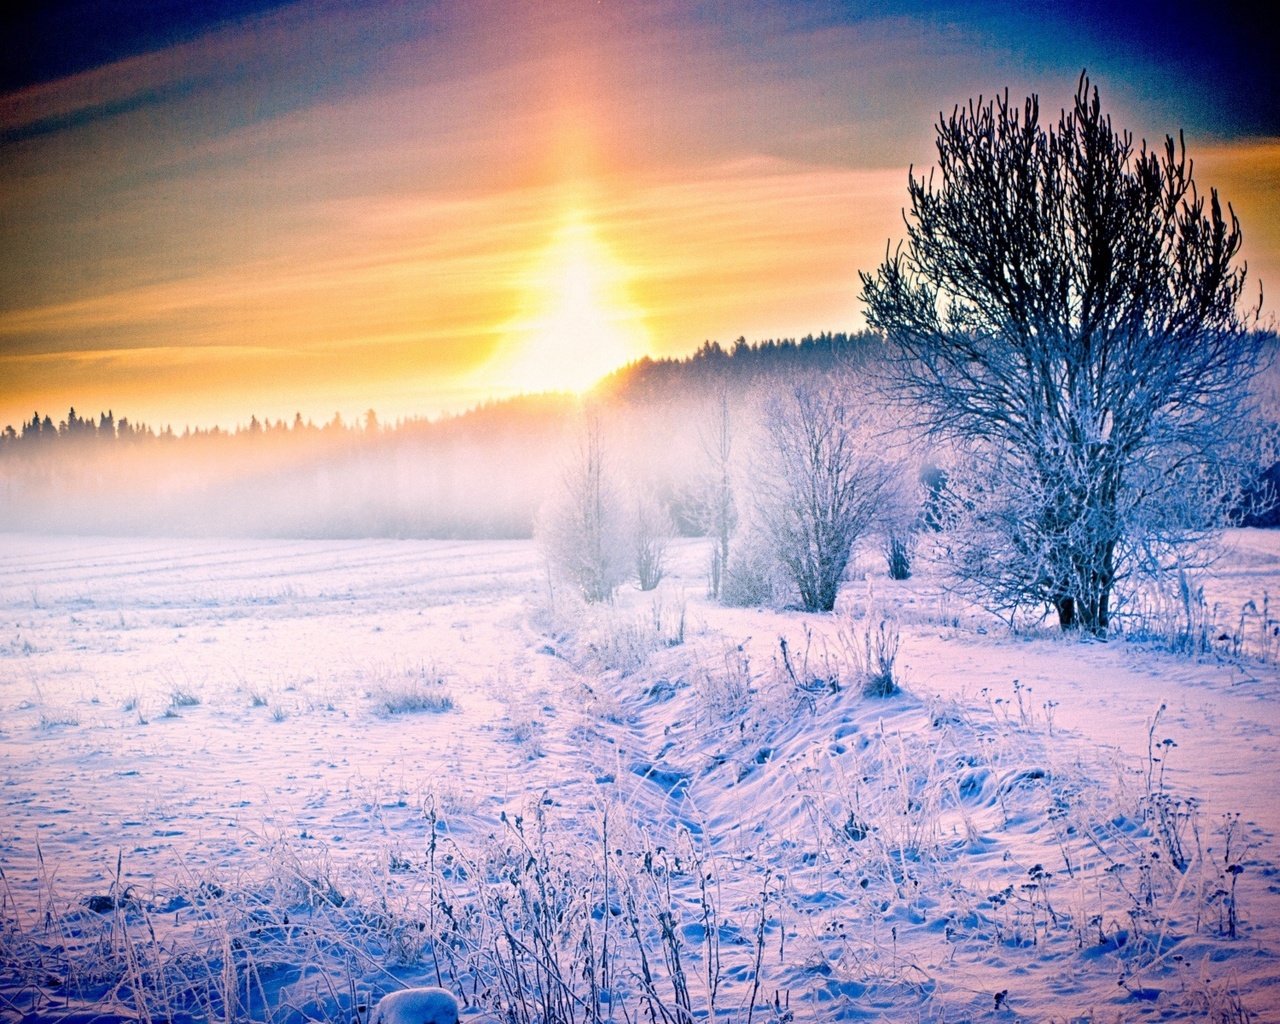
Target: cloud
{"x": 367, "y": 189}
{"x": 1247, "y": 175}
{"x": 424, "y": 286}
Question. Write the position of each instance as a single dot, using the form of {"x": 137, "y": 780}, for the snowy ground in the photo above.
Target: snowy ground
{"x": 247, "y": 778}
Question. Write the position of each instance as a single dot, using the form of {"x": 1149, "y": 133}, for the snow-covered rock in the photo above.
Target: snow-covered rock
{"x": 416, "y": 1006}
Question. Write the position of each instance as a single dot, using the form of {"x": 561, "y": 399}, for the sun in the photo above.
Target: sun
{"x": 577, "y": 322}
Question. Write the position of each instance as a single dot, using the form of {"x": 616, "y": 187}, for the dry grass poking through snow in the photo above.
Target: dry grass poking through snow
{"x": 1184, "y": 622}
{"x": 536, "y": 923}
{"x": 406, "y": 689}
{"x": 866, "y": 857}
{"x": 611, "y": 638}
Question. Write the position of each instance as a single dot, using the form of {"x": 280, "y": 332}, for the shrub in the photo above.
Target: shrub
{"x": 897, "y": 553}
{"x": 652, "y": 530}
{"x": 751, "y": 575}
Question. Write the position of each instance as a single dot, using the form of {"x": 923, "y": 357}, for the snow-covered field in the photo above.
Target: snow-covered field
{"x": 276, "y": 779}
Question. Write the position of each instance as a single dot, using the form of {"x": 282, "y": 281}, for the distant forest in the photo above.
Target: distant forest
{"x": 646, "y": 380}
{"x": 481, "y": 473}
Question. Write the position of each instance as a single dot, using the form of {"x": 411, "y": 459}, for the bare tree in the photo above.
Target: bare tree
{"x": 581, "y": 528}
{"x": 1065, "y": 313}
{"x": 719, "y": 507}
{"x": 651, "y": 532}
{"x": 821, "y": 484}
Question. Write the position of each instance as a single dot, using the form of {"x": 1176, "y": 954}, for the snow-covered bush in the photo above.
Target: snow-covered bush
{"x": 898, "y": 554}
{"x": 900, "y": 518}
{"x": 651, "y": 532}
{"x": 752, "y": 575}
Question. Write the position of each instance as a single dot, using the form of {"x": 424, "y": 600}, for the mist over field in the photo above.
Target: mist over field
{"x": 480, "y": 474}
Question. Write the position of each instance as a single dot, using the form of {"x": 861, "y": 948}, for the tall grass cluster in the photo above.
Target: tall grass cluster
{"x": 1180, "y": 619}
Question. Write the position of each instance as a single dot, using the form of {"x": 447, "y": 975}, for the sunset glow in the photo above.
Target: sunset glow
{"x": 316, "y": 208}
{"x": 580, "y": 324}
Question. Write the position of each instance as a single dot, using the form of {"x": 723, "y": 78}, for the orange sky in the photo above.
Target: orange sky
{"x": 282, "y": 215}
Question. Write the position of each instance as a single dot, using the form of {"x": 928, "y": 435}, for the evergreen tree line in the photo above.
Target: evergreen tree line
{"x": 712, "y": 364}
{"x": 107, "y": 427}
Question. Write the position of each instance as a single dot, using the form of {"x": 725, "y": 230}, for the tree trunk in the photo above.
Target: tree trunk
{"x": 1093, "y": 608}
{"x": 1066, "y": 612}
{"x": 1095, "y": 613}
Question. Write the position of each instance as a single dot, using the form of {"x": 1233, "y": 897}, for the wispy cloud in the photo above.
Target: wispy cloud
{"x": 350, "y": 201}
{"x": 425, "y": 286}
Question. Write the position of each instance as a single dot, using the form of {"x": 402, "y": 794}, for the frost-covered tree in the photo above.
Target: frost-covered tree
{"x": 900, "y": 517}
{"x": 1066, "y": 313}
{"x": 718, "y": 506}
{"x": 820, "y": 484}
{"x": 651, "y": 533}
{"x": 581, "y": 528}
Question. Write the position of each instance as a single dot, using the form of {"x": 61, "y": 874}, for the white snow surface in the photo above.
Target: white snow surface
{"x": 196, "y": 716}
